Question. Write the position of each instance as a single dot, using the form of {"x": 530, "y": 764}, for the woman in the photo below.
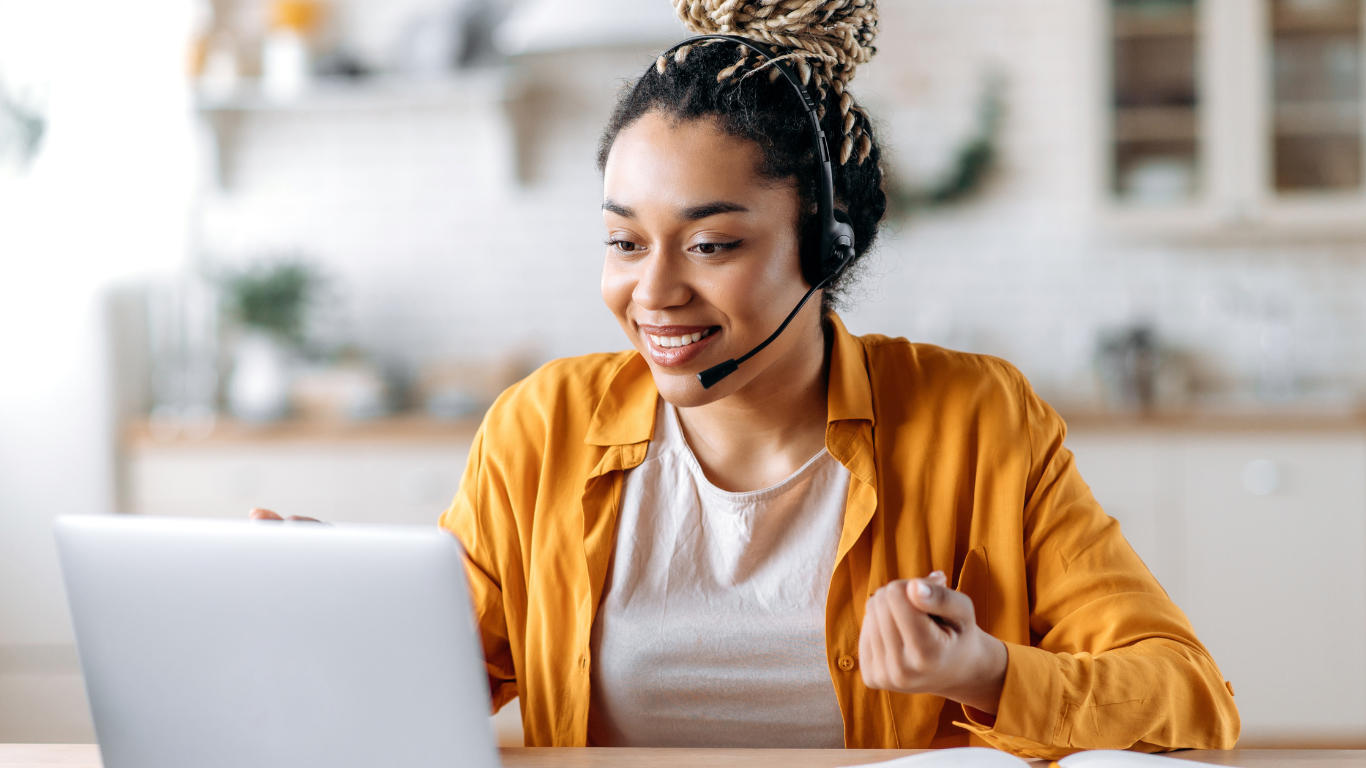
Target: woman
{"x": 849, "y": 541}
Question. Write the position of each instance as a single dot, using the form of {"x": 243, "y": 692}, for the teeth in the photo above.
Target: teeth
{"x": 679, "y": 341}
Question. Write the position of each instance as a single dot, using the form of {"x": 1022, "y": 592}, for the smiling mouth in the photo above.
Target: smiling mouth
{"x": 676, "y": 346}
{"x": 680, "y": 341}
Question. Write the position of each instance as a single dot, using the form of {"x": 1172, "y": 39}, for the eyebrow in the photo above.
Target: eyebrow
{"x": 695, "y": 213}
{"x": 618, "y": 209}
{"x": 699, "y": 212}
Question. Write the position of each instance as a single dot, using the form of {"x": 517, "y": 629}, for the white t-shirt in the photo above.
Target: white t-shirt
{"x": 711, "y": 631}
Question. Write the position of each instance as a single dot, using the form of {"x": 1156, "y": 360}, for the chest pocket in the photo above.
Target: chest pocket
{"x": 974, "y": 580}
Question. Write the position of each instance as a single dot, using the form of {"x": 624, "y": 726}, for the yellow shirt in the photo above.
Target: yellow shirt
{"x": 957, "y": 465}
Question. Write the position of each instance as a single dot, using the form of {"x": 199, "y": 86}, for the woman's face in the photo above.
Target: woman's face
{"x": 702, "y": 258}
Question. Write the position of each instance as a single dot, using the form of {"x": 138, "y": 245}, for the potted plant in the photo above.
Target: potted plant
{"x": 267, "y": 302}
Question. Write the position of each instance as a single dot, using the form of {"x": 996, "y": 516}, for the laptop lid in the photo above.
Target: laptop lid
{"x": 233, "y": 643}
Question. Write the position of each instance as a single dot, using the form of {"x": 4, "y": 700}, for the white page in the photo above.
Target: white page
{"x": 980, "y": 757}
{"x": 1117, "y": 758}
{"x": 960, "y": 757}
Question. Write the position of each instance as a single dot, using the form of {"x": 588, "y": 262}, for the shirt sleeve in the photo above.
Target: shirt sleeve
{"x": 474, "y": 519}
{"x": 1113, "y": 662}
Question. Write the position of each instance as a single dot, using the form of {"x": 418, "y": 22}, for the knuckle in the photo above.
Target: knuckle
{"x": 918, "y": 662}
{"x": 901, "y": 680}
{"x": 910, "y": 665}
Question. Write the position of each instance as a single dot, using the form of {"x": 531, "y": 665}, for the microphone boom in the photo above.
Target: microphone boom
{"x": 716, "y": 373}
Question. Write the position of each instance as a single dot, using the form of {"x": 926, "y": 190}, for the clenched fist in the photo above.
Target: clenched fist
{"x": 919, "y": 636}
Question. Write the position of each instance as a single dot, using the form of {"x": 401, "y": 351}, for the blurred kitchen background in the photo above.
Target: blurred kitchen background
{"x": 283, "y": 253}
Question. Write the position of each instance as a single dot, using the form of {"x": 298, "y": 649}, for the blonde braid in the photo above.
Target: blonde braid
{"x": 680, "y": 55}
{"x": 828, "y": 40}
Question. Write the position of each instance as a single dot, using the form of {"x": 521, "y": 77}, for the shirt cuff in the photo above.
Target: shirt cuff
{"x": 1031, "y": 708}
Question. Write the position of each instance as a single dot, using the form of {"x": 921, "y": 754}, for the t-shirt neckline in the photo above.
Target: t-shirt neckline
{"x": 762, "y": 494}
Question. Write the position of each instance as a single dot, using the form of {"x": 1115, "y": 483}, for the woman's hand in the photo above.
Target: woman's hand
{"x": 919, "y": 636}
{"x": 266, "y": 514}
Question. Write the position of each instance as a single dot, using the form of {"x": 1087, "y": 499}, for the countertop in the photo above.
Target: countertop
{"x": 87, "y": 756}
{"x": 402, "y": 428}
{"x": 418, "y": 428}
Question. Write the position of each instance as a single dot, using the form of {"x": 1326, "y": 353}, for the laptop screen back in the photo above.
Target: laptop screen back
{"x": 231, "y": 644}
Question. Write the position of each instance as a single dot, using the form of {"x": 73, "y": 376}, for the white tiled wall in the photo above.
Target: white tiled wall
{"x": 451, "y": 236}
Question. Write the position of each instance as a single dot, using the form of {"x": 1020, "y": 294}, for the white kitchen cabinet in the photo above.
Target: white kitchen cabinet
{"x": 1260, "y": 537}
{"x": 1276, "y": 542}
{"x": 1237, "y": 120}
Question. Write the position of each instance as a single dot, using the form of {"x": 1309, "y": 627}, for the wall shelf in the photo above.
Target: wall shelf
{"x": 1318, "y": 118}
{"x": 373, "y": 93}
{"x": 1130, "y": 24}
{"x": 1335, "y": 18}
{"x": 1156, "y": 124}
{"x": 225, "y": 113}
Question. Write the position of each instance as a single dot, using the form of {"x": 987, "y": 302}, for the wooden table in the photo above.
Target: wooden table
{"x": 87, "y": 756}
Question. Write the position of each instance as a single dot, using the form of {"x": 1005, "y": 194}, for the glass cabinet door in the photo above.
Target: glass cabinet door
{"x": 1316, "y": 92}
{"x": 1156, "y": 144}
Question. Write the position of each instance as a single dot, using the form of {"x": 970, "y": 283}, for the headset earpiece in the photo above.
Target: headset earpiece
{"x": 841, "y": 249}
{"x": 832, "y": 255}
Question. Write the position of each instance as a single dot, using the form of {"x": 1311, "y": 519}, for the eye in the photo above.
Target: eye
{"x": 711, "y": 249}
{"x": 624, "y": 246}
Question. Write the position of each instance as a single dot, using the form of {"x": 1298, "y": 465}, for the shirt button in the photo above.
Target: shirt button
{"x": 846, "y": 663}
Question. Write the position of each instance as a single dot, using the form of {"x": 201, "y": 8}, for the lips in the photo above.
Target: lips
{"x": 680, "y": 340}
{"x": 676, "y": 345}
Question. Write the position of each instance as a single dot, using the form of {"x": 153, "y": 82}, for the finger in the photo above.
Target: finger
{"x": 910, "y": 644}
{"x": 893, "y": 644}
{"x": 302, "y": 519}
{"x": 869, "y": 649}
{"x": 263, "y": 514}
{"x": 937, "y": 577}
{"x": 920, "y": 634}
{"x": 953, "y": 606}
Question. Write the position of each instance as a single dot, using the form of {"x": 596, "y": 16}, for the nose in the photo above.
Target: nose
{"x": 661, "y": 283}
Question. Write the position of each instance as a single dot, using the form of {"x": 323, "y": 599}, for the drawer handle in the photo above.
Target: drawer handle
{"x": 1261, "y": 477}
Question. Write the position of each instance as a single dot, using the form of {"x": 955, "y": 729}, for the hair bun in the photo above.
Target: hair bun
{"x": 838, "y": 33}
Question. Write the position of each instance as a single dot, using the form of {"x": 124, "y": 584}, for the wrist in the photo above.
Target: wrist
{"x": 985, "y": 677}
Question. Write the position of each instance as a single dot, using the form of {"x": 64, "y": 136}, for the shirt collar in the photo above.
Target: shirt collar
{"x": 850, "y": 389}
{"x": 626, "y": 413}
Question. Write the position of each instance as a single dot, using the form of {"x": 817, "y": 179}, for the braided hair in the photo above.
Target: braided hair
{"x": 824, "y": 41}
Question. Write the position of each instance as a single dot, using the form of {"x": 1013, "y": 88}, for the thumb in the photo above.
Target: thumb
{"x": 263, "y": 514}
{"x": 933, "y": 596}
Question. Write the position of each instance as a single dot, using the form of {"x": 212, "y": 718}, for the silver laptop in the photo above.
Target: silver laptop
{"x": 239, "y": 644}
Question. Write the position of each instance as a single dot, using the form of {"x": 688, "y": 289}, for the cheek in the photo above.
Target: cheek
{"x": 754, "y": 288}
{"x": 735, "y": 292}
{"x": 617, "y": 285}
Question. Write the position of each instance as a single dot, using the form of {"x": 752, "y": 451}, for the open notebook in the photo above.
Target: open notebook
{"x": 980, "y": 757}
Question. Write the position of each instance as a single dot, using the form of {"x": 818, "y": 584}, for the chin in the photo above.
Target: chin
{"x": 683, "y": 390}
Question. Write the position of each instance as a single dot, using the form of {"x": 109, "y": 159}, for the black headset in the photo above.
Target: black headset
{"x": 837, "y": 235}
